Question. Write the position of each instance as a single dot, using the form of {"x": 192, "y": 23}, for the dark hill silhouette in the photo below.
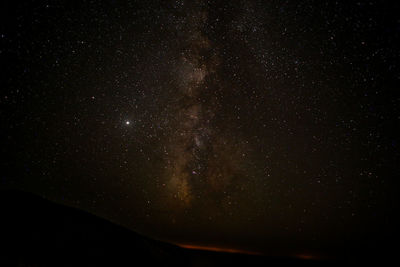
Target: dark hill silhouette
{"x": 38, "y": 232}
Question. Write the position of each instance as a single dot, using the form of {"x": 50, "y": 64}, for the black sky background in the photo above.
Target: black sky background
{"x": 250, "y": 124}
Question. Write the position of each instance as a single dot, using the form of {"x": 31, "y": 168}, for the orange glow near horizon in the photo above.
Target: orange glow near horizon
{"x": 306, "y": 257}
{"x": 302, "y": 256}
{"x": 218, "y": 249}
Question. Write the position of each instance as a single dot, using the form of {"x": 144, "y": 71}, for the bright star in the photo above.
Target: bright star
{"x": 127, "y": 122}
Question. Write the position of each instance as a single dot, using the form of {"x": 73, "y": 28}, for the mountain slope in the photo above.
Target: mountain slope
{"x": 43, "y": 233}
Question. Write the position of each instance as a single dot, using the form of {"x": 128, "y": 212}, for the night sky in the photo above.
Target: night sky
{"x": 238, "y": 124}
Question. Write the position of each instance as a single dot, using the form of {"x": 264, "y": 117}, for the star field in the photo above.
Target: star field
{"x": 250, "y": 124}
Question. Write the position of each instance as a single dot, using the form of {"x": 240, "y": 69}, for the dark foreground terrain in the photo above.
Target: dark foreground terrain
{"x": 37, "y": 232}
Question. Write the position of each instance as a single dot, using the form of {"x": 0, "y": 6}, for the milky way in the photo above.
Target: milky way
{"x": 202, "y": 160}
{"x": 243, "y": 124}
